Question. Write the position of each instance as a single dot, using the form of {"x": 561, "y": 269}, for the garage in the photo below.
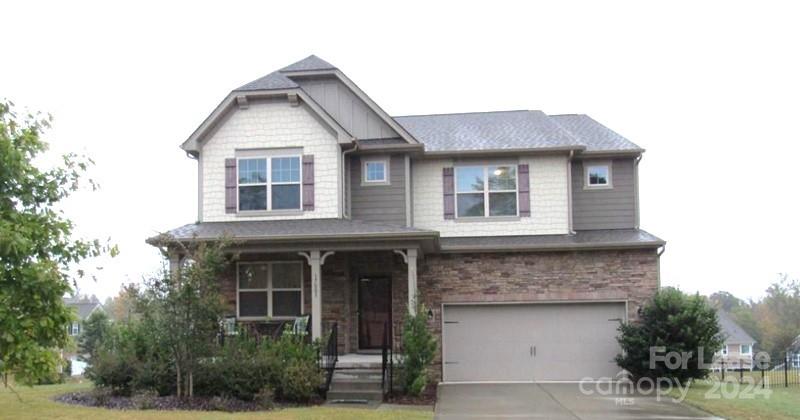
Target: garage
{"x": 530, "y": 342}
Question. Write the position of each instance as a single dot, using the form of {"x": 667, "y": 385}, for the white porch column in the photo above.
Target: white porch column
{"x": 412, "y": 280}
{"x": 410, "y": 258}
{"x": 315, "y": 259}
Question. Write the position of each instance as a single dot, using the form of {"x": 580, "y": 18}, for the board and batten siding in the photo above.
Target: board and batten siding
{"x": 346, "y": 108}
{"x": 379, "y": 203}
{"x": 610, "y": 208}
{"x": 549, "y": 195}
{"x": 268, "y": 125}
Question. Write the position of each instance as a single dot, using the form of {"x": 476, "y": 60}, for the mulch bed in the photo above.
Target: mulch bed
{"x": 87, "y": 399}
{"x": 428, "y": 397}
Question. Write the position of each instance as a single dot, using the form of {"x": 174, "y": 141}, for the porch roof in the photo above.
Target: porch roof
{"x": 591, "y": 239}
{"x": 289, "y": 230}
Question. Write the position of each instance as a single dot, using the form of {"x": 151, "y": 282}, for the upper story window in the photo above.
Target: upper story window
{"x": 486, "y": 191}
{"x": 725, "y": 350}
{"x": 269, "y": 183}
{"x": 269, "y": 290}
{"x": 598, "y": 175}
{"x": 75, "y": 328}
{"x": 745, "y": 349}
{"x": 375, "y": 171}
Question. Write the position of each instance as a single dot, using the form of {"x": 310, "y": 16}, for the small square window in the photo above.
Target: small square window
{"x": 745, "y": 349}
{"x": 375, "y": 171}
{"x": 598, "y": 176}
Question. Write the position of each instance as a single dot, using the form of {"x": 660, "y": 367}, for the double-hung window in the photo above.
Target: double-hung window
{"x": 269, "y": 290}
{"x": 486, "y": 191}
{"x": 269, "y": 183}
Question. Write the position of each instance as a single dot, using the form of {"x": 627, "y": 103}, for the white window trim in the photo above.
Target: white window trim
{"x": 486, "y": 192}
{"x": 386, "y": 176}
{"x": 749, "y": 352}
{"x": 74, "y": 329}
{"x": 269, "y": 290}
{"x": 724, "y": 350}
{"x": 269, "y": 183}
{"x": 589, "y": 165}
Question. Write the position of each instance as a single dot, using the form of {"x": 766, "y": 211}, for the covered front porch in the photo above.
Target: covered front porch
{"x": 359, "y": 276}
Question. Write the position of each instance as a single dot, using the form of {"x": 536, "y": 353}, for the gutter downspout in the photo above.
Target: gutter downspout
{"x": 658, "y": 261}
{"x": 199, "y": 185}
{"x": 345, "y": 187}
{"x": 636, "y": 192}
{"x": 569, "y": 192}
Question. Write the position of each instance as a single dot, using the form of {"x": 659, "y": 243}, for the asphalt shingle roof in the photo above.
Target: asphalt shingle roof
{"x": 612, "y": 238}
{"x": 310, "y": 63}
{"x": 487, "y": 131}
{"x": 502, "y": 130}
{"x": 594, "y": 135}
{"x": 82, "y": 306}
{"x": 300, "y": 229}
{"x": 734, "y": 334}
{"x": 272, "y": 81}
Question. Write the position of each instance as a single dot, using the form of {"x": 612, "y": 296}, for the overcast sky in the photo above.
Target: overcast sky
{"x": 711, "y": 90}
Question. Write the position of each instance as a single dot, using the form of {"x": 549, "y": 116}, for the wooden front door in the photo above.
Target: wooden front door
{"x": 374, "y": 310}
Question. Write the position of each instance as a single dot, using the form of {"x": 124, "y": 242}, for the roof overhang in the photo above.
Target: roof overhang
{"x": 503, "y": 152}
{"x": 581, "y": 241}
{"x": 426, "y": 241}
{"x": 194, "y": 143}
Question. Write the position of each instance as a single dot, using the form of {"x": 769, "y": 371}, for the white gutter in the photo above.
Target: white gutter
{"x": 345, "y": 187}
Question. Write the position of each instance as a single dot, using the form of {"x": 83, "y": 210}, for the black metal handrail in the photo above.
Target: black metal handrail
{"x": 329, "y": 356}
{"x": 387, "y": 370}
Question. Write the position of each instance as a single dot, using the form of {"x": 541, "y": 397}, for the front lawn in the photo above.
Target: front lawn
{"x": 37, "y": 403}
{"x": 781, "y": 403}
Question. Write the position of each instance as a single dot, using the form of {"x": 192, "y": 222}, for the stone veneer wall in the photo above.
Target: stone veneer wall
{"x": 489, "y": 277}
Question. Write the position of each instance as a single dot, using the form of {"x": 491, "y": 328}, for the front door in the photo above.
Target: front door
{"x": 374, "y": 310}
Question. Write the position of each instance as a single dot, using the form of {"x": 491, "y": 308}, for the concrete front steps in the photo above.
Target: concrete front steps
{"x": 356, "y": 380}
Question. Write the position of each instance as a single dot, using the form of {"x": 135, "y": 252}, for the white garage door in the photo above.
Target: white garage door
{"x": 531, "y": 342}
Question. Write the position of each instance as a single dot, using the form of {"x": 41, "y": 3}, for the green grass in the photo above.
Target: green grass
{"x": 37, "y": 403}
{"x": 777, "y": 403}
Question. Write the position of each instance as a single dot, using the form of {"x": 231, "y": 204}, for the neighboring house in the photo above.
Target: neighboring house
{"x": 82, "y": 307}
{"x": 518, "y": 230}
{"x": 737, "y": 351}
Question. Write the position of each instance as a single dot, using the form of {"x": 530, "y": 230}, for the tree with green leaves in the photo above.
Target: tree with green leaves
{"x": 37, "y": 247}
{"x": 183, "y": 307}
{"x": 94, "y": 331}
{"x": 673, "y": 322}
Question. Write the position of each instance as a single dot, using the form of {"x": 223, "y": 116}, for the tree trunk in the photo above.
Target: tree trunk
{"x": 178, "y": 382}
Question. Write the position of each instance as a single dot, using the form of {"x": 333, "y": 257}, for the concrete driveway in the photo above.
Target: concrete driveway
{"x": 553, "y": 401}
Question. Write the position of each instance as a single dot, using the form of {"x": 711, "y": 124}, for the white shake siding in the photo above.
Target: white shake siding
{"x": 270, "y": 125}
{"x": 549, "y": 201}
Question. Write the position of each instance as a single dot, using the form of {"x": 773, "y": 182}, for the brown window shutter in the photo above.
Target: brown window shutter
{"x": 449, "y": 194}
{"x": 230, "y": 186}
{"x": 308, "y": 182}
{"x": 524, "y": 190}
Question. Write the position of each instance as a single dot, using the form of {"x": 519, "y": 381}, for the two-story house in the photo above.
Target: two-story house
{"x": 518, "y": 230}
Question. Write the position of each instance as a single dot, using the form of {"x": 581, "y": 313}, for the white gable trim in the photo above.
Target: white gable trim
{"x": 193, "y": 144}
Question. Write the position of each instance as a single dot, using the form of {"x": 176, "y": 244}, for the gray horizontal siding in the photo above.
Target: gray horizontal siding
{"x": 379, "y": 203}
{"x": 346, "y": 108}
{"x": 613, "y": 208}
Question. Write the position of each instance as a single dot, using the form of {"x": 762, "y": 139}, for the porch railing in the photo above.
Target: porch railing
{"x": 387, "y": 363}
{"x": 329, "y": 355}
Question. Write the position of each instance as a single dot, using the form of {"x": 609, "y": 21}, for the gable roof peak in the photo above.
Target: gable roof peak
{"x": 310, "y": 63}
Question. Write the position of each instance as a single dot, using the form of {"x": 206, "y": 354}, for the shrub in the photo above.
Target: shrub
{"x": 419, "y": 348}
{"x": 145, "y": 399}
{"x": 265, "y": 398}
{"x": 300, "y": 381}
{"x": 102, "y": 395}
{"x": 679, "y": 323}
